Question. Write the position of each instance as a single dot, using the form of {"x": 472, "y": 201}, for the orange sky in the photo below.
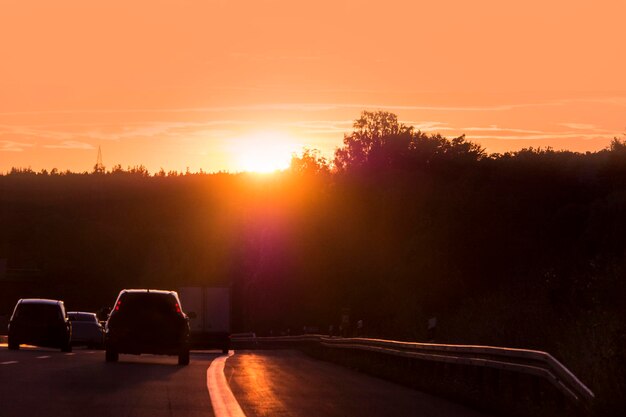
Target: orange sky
{"x": 178, "y": 84}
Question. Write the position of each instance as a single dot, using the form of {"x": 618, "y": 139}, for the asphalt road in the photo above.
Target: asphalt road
{"x": 289, "y": 383}
{"x": 44, "y": 382}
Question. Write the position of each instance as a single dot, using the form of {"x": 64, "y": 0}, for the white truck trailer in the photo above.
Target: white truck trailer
{"x": 208, "y": 309}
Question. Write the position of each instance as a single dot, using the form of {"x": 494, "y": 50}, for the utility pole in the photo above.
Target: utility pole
{"x": 99, "y": 167}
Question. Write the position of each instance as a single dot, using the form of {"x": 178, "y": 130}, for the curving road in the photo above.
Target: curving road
{"x": 43, "y": 382}
{"x": 289, "y": 383}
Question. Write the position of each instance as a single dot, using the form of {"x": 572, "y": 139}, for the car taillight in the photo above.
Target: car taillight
{"x": 118, "y": 305}
{"x": 178, "y": 309}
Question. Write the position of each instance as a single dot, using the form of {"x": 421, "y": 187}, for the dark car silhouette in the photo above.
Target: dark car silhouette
{"x": 147, "y": 321}
{"x": 86, "y": 329}
{"x": 40, "y": 322}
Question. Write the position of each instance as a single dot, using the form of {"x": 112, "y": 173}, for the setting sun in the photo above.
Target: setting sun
{"x": 264, "y": 152}
{"x": 433, "y": 192}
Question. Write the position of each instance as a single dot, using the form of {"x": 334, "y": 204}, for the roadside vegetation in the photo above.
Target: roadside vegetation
{"x": 524, "y": 249}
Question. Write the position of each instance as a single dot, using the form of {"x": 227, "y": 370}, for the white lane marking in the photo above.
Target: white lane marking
{"x": 222, "y": 399}
{"x": 7, "y": 362}
{"x": 43, "y": 357}
{"x": 70, "y": 354}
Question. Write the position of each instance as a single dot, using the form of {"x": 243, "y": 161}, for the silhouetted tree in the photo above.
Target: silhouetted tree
{"x": 380, "y": 141}
{"x": 377, "y": 139}
{"x": 523, "y": 249}
{"x": 310, "y": 162}
{"x": 618, "y": 145}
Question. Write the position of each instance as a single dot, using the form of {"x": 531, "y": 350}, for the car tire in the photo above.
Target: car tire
{"x": 111, "y": 355}
{"x": 13, "y": 345}
{"x": 183, "y": 357}
{"x": 66, "y": 348}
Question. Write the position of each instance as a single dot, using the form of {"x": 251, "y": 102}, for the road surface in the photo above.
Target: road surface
{"x": 42, "y": 382}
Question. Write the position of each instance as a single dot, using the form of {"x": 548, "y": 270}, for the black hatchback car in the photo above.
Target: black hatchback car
{"x": 147, "y": 321}
{"x": 40, "y": 322}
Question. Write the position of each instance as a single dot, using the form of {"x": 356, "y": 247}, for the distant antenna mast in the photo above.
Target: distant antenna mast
{"x": 99, "y": 167}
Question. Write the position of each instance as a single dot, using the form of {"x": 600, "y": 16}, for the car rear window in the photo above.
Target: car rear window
{"x": 131, "y": 303}
{"x": 38, "y": 312}
{"x": 82, "y": 317}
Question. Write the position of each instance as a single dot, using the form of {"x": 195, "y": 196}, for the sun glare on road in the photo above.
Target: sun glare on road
{"x": 264, "y": 152}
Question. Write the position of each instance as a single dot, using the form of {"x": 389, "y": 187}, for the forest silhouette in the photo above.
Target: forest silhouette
{"x": 522, "y": 249}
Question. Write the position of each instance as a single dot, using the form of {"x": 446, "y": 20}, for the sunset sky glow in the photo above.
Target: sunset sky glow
{"x": 219, "y": 85}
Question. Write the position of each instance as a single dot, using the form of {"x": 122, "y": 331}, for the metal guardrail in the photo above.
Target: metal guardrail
{"x": 530, "y": 362}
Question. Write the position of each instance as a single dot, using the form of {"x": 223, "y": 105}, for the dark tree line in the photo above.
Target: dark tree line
{"x": 523, "y": 249}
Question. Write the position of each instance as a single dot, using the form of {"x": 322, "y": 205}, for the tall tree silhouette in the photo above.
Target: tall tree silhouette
{"x": 377, "y": 139}
{"x": 380, "y": 141}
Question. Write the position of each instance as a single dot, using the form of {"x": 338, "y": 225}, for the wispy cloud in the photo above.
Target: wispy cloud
{"x": 575, "y": 131}
{"x": 317, "y": 107}
{"x": 29, "y": 131}
{"x": 581, "y": 126}
{"x": 71, "y": 144}
{"x": 495, "y": 128}
{"x": 319, "y": 127}
{"x": 12, "y": 146}
{"x": 81, "y": 132}
{"x": 320, "y": 131}
{"x": 541, "y": 136}
{"x": 273, "y": 57}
